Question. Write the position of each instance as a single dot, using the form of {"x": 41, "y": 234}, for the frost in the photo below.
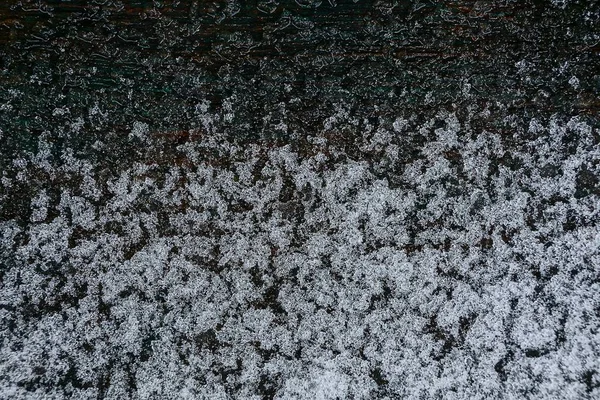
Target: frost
{"x": 468, "y": 268}
{"x": 140, "y": 131}
{"x": 574, "y": 82}
{"x": 39, "y": 207}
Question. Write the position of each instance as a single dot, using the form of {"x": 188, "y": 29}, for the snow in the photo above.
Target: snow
{"x": 310, "y": 276}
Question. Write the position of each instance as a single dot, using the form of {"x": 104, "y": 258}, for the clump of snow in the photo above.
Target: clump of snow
{"x": 140, "y": 130}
